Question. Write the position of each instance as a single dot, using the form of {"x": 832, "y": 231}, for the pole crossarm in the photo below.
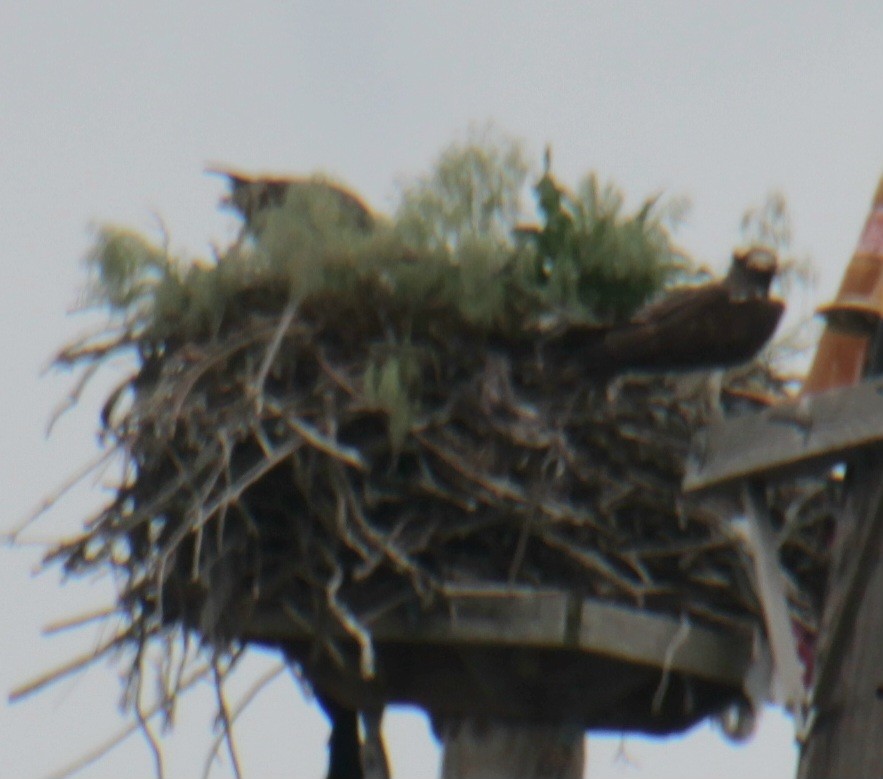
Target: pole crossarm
{"x": 785, "y": 440}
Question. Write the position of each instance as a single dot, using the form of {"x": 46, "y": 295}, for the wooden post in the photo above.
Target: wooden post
{"x": 846, "y": 737}
{"x": 476, "y": 750}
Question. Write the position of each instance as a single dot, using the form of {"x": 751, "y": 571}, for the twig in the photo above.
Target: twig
{"x": 428, "y": 484}
{"x": 634, "y": 562}
{"x": 386, "y": 545}
{"x": 229, "y": 496}
{"x": 503, "y": 489}
{"x": 80, "y": 620}
{"x": 346, "y": 454}
{"x": 682, "y": 634}
{"x": 681, "y": 548}
{"x": 106, "y": 747}
{"x": 182, "y": 385}
{"x": 142, "y": 718}
{"x": 588, "y": 559}
{"x": 72, "y": 666}
{"x": 159, "y": 501}
{"x": 73, "y": 397}
{"x": 226, "y": 722}
{"x": 339, "y": 379}
{"x": 310, "y": 629}
{"x": 520, "y": 549}
{"x": 48, "y": 502}
{"x": 498, "y": 488}
{"x": 352, "y": 626}
{"x": 256, "y": 388}
{"x": 94, "y": 344}
{"x": 238, "y": 709}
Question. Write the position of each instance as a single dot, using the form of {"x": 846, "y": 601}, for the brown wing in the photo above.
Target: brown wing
{"x": 701, "y": 327}
{"x": 682, "y": 301}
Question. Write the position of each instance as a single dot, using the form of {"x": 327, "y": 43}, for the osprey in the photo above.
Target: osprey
{"x": 714, "y": 325}
{"x": 253, "y": 195}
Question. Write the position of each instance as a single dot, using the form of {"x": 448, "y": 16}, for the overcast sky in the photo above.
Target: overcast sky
{"x": 109, "y": 111}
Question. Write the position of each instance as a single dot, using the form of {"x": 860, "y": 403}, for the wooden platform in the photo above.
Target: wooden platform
{"x": 801, "y": 436}
{"x": 535, "y": 656}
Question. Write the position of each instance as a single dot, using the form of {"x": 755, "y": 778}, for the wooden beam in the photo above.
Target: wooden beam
{"x": 476, "y": 749}
{"x": 847, "y": 727}
{"x": 804, "y": 435}
{"x": 551, "y": 619}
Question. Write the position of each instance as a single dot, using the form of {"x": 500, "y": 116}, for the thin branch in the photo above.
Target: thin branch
{"x": 49, "y": 501}
{"x": 72, "y": 666}
{"x": 182, "y": 385}
{"x": 256, "y": 387}
{"x": 239, "y": 708}
{"x": 229, "y": 496}
{"x": 335, "y": 375}
{"x": 680, "y": 637}
{"x": 346, "y": 454}
{"x": 73, "y": 397}
{"x": 80, "y": 620}
{"x": 142, "y": 716}
{"x": 589, "y": 559}
{"x": 226, "y": 722}
{"x": 104, "y": 748}
{"x": 352, "y": 626}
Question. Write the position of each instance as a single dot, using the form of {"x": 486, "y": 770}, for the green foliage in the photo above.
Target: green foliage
{"x": 473, "y": 192}
{"x": 449, "y": 249}
{"x": 593, "y": 260}
{"x": 126, "y": 266}
{"x": 310, "y": 239}
{"x": 392, "y": 384}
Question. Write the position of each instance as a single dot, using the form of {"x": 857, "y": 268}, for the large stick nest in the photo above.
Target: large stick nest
{"x": 333, "y": 454}
{"x": 305, "y": 460}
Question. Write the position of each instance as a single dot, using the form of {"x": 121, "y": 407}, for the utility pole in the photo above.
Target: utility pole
{"x": 846, "y": 738}
{"x": 476, "y": 750}
{"x": 846, "y": 735}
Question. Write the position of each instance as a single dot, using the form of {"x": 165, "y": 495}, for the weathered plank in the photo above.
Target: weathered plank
{"x": 551, "y": 619}
{"x": 476, "y": 749}
{"x": 542, "y": 657}
{"x": 807, "y": 434}
{"x": 848, "y": 697}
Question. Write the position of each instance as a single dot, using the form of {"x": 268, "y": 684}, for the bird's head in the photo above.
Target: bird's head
{"x": 752, "y": 272}
{"x": 253, "y": 196}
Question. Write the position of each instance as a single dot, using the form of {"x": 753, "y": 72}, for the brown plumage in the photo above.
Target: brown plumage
{"x": 712, "y": 325}
{"x": 251, "y": 195}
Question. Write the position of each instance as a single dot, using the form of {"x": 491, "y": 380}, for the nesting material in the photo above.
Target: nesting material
{"x": 330, "y": 425}
{"x": 310, "y": 458}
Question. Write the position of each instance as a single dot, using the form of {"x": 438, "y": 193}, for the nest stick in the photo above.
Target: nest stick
{"x": 72, "y": 666}
{"x": 256, "y": 387}
{"x": 677, "y": 641}
{"x": 73, "y": 397}
{"x": 233, "y": 714}
{"x": 48, "y": 502}
{"x": 591, "y": 560}
{"x": 226, "y": 721}
{"x": 102, "y": 749}
{"x": 80, "y": 620}
{"x": 386, "y": 547}
{"x": 352, "y": 626}
{"x": 346, "y": 454}
{"x": 142, "y": 718}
